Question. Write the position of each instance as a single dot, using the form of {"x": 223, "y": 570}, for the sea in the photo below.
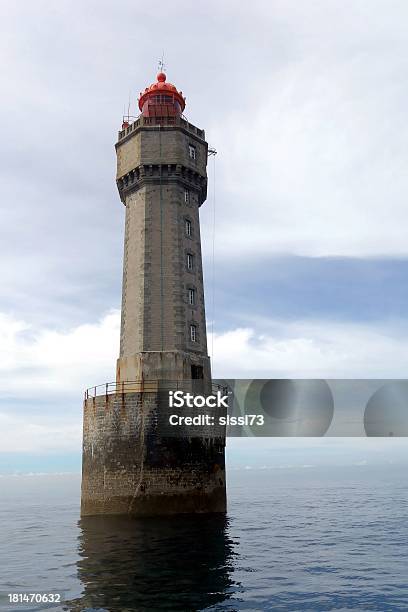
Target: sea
{"x": 293, "y": 539}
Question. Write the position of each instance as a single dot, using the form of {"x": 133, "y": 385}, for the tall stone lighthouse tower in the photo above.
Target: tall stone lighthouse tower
{"x": 129, "y": 465}
{"x": 162, "y": 181}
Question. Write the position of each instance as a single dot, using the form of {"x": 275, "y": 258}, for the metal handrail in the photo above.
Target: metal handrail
{"x": 171, "y": 121}
{"x": 145, "y": 386}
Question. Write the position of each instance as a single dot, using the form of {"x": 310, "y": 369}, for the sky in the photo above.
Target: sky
{"x": 305, "y": 103}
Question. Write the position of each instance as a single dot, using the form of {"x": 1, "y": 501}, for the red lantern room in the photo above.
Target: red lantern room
{"x": 161, "y": 99}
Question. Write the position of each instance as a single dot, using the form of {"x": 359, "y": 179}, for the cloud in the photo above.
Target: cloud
{"x": 37, "y": 434}
{"x": 316, "y": 166}
{"x": 44, "y": 371}
{"x": 307, "y": 349}
{"x": 43, "y": 374}
{"x": 38, "y": 363}
{"x": 305, "y": 105}
{"x": 316, "y": 452}
{"x": 50, "y": 364}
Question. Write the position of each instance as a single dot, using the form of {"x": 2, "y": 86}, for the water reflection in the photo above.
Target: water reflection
{"x": 176, "y": 563}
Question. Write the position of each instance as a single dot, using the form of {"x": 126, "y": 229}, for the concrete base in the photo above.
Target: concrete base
{"x": 128, "y": 468}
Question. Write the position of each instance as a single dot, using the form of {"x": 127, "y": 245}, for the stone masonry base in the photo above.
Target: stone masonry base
{"x": 128, "y": 468}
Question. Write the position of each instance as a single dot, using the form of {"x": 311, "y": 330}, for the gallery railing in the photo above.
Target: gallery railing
{"x": 162, "y": 121}
{"x": 149, "y": 386}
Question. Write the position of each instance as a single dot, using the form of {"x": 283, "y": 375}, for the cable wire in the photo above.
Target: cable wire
{"x": 213, "y": 266}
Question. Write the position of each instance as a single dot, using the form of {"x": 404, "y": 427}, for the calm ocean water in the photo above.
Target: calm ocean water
{"x": 294, "y": 539}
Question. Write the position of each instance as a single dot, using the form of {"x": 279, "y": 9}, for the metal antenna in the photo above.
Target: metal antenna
{"x": 161, "y": 63}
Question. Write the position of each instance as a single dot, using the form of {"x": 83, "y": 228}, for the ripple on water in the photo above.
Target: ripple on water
{"x": 285, "y": 546}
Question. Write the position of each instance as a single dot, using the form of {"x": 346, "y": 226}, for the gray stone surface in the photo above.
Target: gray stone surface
{"x": 129, "y": 469}
{"x": 128, "y": 466}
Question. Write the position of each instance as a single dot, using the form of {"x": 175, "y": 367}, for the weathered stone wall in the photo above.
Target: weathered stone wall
{"x": 161, "y": 365}
{"x": 155, "y": 145}
{"x": 129, "y": 466}
{"x": 162, "y": 193}
{"x": 129, "y": 469}
{"x": 156, "y": 314}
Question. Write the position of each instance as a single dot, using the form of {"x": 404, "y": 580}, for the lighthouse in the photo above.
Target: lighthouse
{"x": 130, "y": 465}
{"x": 162, "y": 181}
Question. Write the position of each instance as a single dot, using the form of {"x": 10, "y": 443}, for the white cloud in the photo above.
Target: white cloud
{"x": 20, "y": 434}
{"x": 39, "y": 363}
{"x": 53, "y": 367}
{"x": 304, "y": 102}
{"x": 312, "y": 349}
{"x": 50, "y": 363}
{"x": 316, "y": 168}
{"x": 42, "y": 367}
{"x": 306, "y": 106}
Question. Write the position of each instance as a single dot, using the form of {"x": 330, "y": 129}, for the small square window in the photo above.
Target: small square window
{"x": 190, "y": 261}
{"x": 192, "y": 297}
{"x": 186, "y": 196}
{"x": 188, "y": 227}
{"x": 193, "y": 333}
{"x": 192, "y": 151}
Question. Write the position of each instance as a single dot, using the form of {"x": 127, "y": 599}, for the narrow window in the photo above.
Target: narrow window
{"x": 192, "y": 297}
{"x": 192, "y": 151}
{"x": 188, "y": 228}
{"x": 186, "y": 196}
{"x": 197, "y": 372}
{"x": 190, "y": 261}
{"x": 193, "y": 333}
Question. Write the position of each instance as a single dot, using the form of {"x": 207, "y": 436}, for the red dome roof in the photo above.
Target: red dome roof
{"x": 161, "y": 87}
